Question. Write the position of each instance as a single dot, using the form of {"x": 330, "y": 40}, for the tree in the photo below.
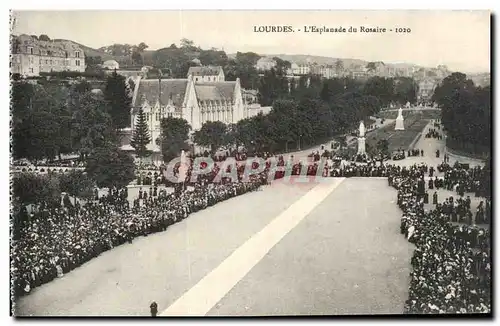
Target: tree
{"x": 339, "y": 67}
{"x": 31, "y": 188}
{"x": 465, "y": 113}
{"x": 405, "y": 90}
{"x": 371, "y": 66}
{"x": 118, "y": 100}
{"x": 137, "y": 57}
{"x": 213, "y": 58}
{"x": 141, "y": 137}
{"x": 91, "y": 125}
{"x": 93, "y": 60}
{"x": 213, "y": 134}
{"x": 188, "y": 44}
{"x": 381, "y": 87}
{"x": 40, "y": 121}
{"x": 77, "y": 184}
{"x": 44, "y": 37}
{"x": 110, "y": 167}
{"x": 142, "y": 46}
{"x": 174, "y": 136}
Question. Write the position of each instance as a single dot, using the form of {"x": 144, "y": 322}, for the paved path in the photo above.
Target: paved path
{"x": 429, "y": 146}
{"x": 418, "y": 108}
{"x": 331, "y": 256}
{"x": 302, "y": 154}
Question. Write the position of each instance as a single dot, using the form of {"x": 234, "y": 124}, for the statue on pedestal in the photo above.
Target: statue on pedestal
{"x": 361, "y": 139}
{"x": 400, "y": 121}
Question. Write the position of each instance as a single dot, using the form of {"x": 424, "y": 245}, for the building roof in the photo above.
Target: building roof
{"x": 204, "y": 71}
{"x": 216, "y": 91}
{"x": 110, "y": 62}
{"x": 54, "y": 48}
{"x": 171, "y": 89}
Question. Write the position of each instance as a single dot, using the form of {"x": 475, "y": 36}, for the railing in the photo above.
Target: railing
{"x": 44, "y": 169}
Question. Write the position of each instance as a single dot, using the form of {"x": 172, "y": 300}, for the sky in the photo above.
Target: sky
{"x": 458, "y": 39}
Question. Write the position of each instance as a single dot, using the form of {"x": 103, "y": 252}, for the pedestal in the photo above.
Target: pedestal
{"x": 361, "y": 145}
{"x": 399, "y": 124}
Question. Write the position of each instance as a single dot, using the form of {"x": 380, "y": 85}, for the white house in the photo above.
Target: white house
{"x": 111, "y": 65}
{"x": 207, "y": 74}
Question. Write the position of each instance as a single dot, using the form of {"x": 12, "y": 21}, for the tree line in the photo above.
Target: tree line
{"x": 53, "y": 119}
{"x": 466, "y": 114}
{"x": 304, "y": 112}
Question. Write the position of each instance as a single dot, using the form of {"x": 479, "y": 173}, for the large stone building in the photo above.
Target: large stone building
{"x": 302, "y": 69}
{"x": 194, "y": 101}
{"x": 30, "y": 56}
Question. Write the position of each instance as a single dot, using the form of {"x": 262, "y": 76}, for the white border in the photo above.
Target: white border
{"x": 213, "y": 4}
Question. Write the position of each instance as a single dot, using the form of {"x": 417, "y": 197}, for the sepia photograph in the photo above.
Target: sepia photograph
{"x": 250, "y": 163}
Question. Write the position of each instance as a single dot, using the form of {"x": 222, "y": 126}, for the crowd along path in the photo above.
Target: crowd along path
{"x": 303, "y": 248}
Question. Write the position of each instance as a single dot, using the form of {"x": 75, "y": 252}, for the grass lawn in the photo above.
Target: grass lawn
{"x": 398, "y": 139}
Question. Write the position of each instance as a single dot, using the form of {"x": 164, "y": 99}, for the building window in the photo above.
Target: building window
{"x": 31, "y": 60}
{"x": 30, "y": 50}
{"x": 46, "y": 61}
{"x": 77, "y": 62}
{"x": 31, "y": 70}
{"x": 50, "y": 61}
{"x": 77, "y": 54}
{"x": 40, "y": 61}
{"x": 169, "y": 115}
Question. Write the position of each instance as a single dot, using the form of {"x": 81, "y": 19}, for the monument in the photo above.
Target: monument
{"x": 400, "y": 121}
{"x": 183, "y": 168}
{"x": 361, "y": 139}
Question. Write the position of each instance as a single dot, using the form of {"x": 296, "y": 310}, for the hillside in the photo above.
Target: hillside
{"x": 320, "y": 60}
{"x": 349, "y": 63}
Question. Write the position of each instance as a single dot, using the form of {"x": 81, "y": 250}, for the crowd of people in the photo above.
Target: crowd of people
{"x": 59, "y": 239}
{"x": 451, "y": 265}
{"x": 433, "y": 133}
{"x": 415, "y": 152}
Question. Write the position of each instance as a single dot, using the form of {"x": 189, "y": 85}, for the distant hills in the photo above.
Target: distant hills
{"x": 321, "y": 60}
{"x": 348, "y": 63}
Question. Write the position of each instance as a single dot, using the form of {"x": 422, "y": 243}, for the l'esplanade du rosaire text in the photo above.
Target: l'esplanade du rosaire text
{"x": 325, "y": 29}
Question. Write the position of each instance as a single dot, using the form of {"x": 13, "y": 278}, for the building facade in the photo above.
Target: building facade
{"x": 265, "y": 63}
{"x": 196, "y": 102}
{"x": 30, "y": 56}
{"x": 207, "y": 74}
{"x": 302, "y": 69}
{"x": 426, "y": 89}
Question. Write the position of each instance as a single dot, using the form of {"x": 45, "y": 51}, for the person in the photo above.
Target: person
{"x": 435, "y": 198}
{"x": 153, "y": 308}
